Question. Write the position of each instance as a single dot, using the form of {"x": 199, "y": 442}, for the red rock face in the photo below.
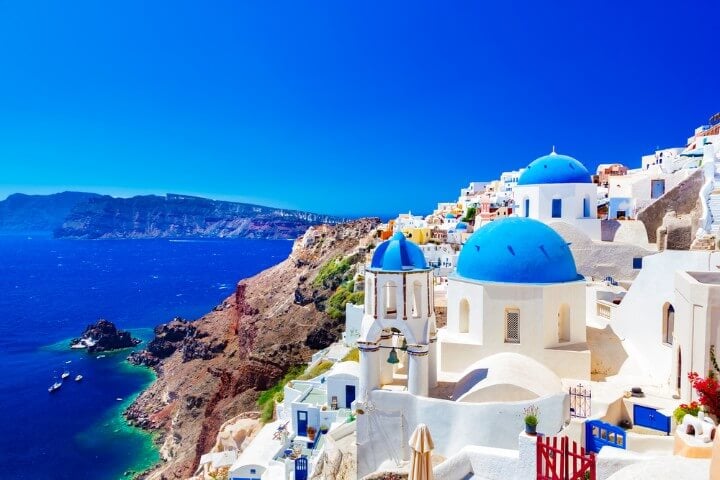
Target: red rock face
{"x": 252, "y": 338}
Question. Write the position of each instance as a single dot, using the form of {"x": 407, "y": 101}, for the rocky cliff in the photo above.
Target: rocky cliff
{"x": 181, "y": 216}
{"x": 38, "y": 213}
{"x": 214, "y": 368}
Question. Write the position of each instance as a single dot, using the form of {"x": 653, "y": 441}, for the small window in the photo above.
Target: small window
{"x": 657, "y": 188}
{"x": 586, "y": 207}
{"x": 668, "y": 323}
{"x": 637, "y": 263}
{"x": 512, "y": 325}
{"x": 556, "y": 208}
{"x": 527, "y": 207}
{"x": 253, "y": 471}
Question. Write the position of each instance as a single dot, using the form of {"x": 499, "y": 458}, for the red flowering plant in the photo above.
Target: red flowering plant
{"x": 708, "y": 389}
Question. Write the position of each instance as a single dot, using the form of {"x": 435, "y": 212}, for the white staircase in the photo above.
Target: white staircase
{"x": 714, "y": 204}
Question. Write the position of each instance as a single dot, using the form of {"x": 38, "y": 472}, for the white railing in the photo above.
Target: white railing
{"x": 604, "y": 309}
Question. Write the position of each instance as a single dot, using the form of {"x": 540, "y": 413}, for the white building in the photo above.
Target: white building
{"x": 558, "y": 188}
{"x": 516, "y": 290}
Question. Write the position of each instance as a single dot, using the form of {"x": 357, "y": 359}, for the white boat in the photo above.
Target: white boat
{"x": 54, "y": 387}
{"x": 119, "y": 399}
{"x": 65, "y": 375}
{"x": 100, "y": 356}
{"x": 78, "y": 378}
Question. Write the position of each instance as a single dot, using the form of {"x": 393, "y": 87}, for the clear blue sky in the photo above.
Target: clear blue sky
{"x": 340, "y": 107}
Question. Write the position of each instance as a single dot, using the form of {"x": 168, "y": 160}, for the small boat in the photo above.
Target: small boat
{"x": 65, "y": 375}
{"x": 54, "y": 387}
{"x": 78, "y": 378}
{"x": 119, "y": 399}
{"x": 100, "y": 356}
{"x": 69, "y": 361}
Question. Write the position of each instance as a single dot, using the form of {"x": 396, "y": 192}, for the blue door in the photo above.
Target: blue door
{"x": 301, "y": 468}
{"x": 599, "y": 434}
{"x": 556, "y": 208}
{"x": 657, "y": 188}
{"x": 349, "y": 395}
{"x": 650, "y": 418}
{"x": 302, "y": 423}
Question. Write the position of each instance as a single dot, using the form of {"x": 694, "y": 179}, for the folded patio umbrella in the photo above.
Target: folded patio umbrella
{"x": 422, "y": 445}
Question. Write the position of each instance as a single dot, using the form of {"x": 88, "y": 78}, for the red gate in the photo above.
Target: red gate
{"x": 555, "y": 460}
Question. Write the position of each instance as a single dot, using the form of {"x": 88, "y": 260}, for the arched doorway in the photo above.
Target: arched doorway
{"x": 464, "y": 319}
{"x": 564, "y": 323}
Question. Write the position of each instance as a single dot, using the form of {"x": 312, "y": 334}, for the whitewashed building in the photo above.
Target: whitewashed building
{"x": 558, "y": 188}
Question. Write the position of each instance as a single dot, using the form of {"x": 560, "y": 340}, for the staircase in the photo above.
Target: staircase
{"x": 714, "y": 204}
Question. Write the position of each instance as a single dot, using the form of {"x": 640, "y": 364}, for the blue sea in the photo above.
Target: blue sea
{"x": 50, "y": 290}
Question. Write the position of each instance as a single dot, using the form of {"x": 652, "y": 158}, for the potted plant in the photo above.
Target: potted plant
{"x": 531, "y": 419}
{"x": 311, "y": 431}
{"x": 324, "y": 429}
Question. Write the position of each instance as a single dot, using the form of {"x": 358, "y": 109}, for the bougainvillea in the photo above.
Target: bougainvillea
{"x": 708, "y": 390}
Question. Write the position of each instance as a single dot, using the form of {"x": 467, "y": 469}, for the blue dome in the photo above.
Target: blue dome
{"x": 449, "y": 215}
{"x": 554, "y": 168}
{"x": 517, "y": 250}
{"x": 461, "y": 226}
{"x": 398, "y": 254}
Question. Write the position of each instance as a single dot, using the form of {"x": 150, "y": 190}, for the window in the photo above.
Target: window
{"x": 637, "y": 263}
{"x": 512, "y": 325}
{"x": 668, "y": 323}
{"x": 556, "y": 208}
{"x": 586, "y": 207}
{"x": 527, "y": 207}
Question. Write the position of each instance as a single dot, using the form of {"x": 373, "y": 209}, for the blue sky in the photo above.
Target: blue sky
{"x": 340, "y": 107}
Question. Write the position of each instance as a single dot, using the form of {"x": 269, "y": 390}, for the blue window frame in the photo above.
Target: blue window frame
{"x": 527, "y": 207}
{"x": 637, "y": 263}
{"x": 556, "y": 208}
{"x": 586, "y": 207}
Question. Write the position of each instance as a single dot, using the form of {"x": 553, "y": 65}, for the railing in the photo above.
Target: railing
{"x": 580, "y": 401}
{"x": 605, "y": 309}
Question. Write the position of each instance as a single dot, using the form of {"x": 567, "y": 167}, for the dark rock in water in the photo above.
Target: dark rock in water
{"x": 103, "y": 336}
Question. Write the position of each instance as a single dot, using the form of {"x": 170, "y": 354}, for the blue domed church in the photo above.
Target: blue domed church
{"x": 558, "y": 188}
{"x": 516, "y": 289}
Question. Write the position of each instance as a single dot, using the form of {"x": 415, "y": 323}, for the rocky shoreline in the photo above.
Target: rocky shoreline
{"x": 214, "y": 368}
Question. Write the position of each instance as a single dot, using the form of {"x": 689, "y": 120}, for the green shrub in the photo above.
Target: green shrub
{"x": 332, "y": 272}
{"x": 335, "y": 307}
{"x": 352, "y": 356}
{"x": 322, "y": 367}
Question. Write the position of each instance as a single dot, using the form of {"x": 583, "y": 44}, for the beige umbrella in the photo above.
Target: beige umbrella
{"x": 422, "y": 445}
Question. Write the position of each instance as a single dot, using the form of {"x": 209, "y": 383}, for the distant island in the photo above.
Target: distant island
{"x": 91, "y": 216}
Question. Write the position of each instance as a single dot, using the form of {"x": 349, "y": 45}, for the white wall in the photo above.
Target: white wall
{"x": 639, "y": 318}
{"x": 572, "y": 212}
{"x": 336, "y": 387}
{"x": 539, "y": 306}
{"x": 452, "y": 425}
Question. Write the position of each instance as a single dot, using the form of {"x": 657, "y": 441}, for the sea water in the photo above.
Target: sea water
{"x": 50, "y": 290}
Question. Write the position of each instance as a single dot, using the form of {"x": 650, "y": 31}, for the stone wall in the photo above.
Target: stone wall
{"x": 682, "y": 199}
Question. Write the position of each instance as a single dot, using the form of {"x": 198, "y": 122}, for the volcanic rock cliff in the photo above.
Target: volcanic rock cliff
{"x": 214, "y": 368}
{"x": 183, "y": 216}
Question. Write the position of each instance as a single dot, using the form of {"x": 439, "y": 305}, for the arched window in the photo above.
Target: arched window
{"x": 390, "y": 300}
{"x": 464, "y": 323}
{"x": 512, "y": 325}
{"x": 564, "y": 323}
{"x": 668, "y": 323}
{"x": 417, "y": 300}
